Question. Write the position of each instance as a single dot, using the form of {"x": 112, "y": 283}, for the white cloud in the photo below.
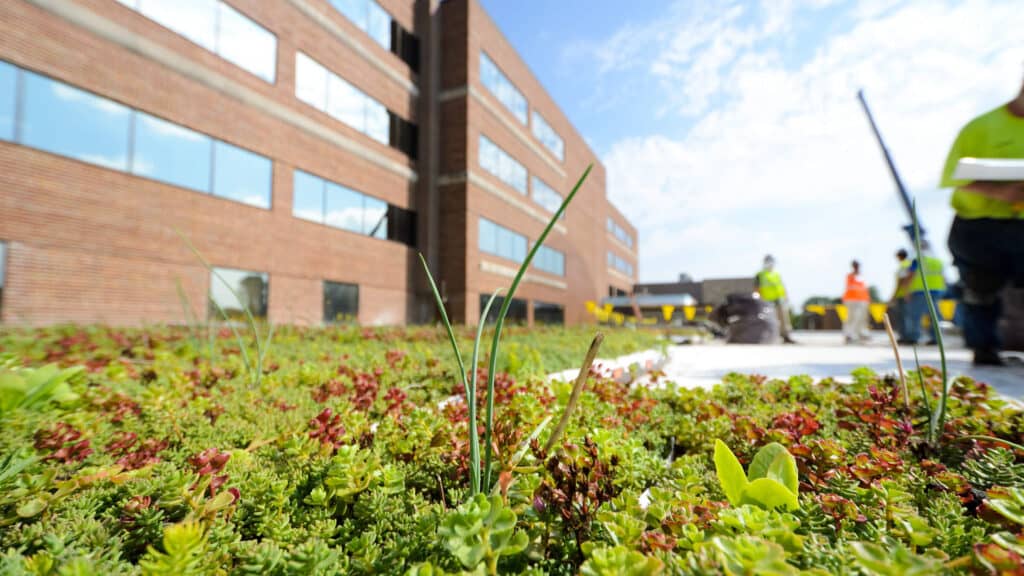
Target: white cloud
{"x": 781, "y": 159}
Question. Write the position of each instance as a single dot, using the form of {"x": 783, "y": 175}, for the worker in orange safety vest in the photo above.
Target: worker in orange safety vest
{"x": 856, "y": 299}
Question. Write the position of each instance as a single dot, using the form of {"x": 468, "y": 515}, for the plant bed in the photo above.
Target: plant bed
{"x": 149, "y": 454}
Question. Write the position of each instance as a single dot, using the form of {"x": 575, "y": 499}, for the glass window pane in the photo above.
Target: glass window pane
{"x": 519, "y": 248}
{"x": 346, "y": 103}
{"x": 378, "y": 24}
{"x": 72, "y": 122}
{"x": 487, "y": 242}
{"x": 341, "y": 302}
{"x": 193, "y": 19}
{"x": 310, "y": 81}
{"x": 249, "y": 287}
{"x": 171, "y": 153}
{"x": 354, "y": 10}
{"x": 8, "y": 94}
{"x": 246, "y": 43}
{"x": 488, "y": 153}
{"x": 375, "y": 217}
{"x": 242, "y": 175}
{"x": 378, "y": 123}
{"x": 308, "y": 197}
{"x": 344, "y": 208}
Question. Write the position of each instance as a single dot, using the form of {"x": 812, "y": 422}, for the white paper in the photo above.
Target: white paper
{"x": 994, "y": 169}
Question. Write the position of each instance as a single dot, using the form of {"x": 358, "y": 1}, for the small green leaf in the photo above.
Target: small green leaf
{"x": 775, "y": 462}
{"x": 768, "y": 493}
{"x": 33, "y": 507}
{"x": 730, "y": 473}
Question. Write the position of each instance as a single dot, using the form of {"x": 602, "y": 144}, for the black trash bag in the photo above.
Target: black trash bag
{"x": 748, "y": 320}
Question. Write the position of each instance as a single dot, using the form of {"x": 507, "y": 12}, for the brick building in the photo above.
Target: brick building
{"x": 308, "y": 149}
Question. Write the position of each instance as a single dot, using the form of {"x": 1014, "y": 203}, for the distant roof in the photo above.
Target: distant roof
{"x": 650, "y": 300}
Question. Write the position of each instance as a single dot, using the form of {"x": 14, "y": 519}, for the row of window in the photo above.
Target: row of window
{"x": 369, "y": 17}
{"x": 513, "y": 100}
{"x": 502, "y": 165}
{"x": 499, "y": 241}
{"x": 543, "y": 312}
{"x": 546, "y": 196}
{"x": 233, "y": 291}
{"x": 219, "y": 28}
{"x": 326, "y": 91}
{"x": 43, "y": 113}
{"x": 619, "y": 232}
{"x": 329, "y": 203}
{"x": 618, "y": 263}
{"x": 3, "y": 273}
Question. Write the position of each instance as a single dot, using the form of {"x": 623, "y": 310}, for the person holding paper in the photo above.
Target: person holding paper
{"x": 987, "y": 236}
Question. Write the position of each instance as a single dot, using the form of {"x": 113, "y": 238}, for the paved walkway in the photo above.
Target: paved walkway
{"x": 823, "y": 354}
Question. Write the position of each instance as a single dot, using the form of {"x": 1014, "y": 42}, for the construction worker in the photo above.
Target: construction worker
{"x": 897, "y": 306}
{"x": 770, "y": 287}
{"x": 916, "y": 301}
{"x": 987, "y": 237}
{"x": 856, "y": 299}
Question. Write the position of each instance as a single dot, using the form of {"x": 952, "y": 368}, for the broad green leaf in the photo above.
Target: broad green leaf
{"x": 768, "y": 493}
{"x": 730, "y": 473}
{"x": 775, "y": 462}
{"x": 31, "y": 508}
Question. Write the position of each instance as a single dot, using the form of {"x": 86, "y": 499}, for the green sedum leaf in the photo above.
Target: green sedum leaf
{"x": 775, "y": 462}
{"x": 769, "y": 494}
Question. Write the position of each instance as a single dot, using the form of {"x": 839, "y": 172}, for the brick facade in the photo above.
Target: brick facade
{"x": 89, "y": 244}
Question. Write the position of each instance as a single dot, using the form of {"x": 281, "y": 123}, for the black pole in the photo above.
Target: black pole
{"x": 907, "y": 205}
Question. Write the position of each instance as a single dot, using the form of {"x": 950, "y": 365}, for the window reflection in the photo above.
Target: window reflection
{"x": 547, "y": 136}
{"x": 341, "y": 302}
{"x": 498, "y": 84}
{"x": 171, "y": 153}
{"x": 500, "y": 164}
{"x": 546, "y": 196}
{"x": 500, "y": 241}
{"x": 547, "y": 313}
{"x": 308, "y": 197}
{"x": 375, "y": 217}
{"x": 234, "y": 291}
{"x": 74, "y": 123}
{"x": 346, "y": 103}
{"x": 241, "y": 175}
{"x": 550, "y": 260}
{"x": 8, "y": 96}
{"x": 193, "y": 19}
{"x": 344, "y": 208}
{"x": 310, "y": 81}
{"x": 246, "y": 43}
{"x": 369, "y": 17}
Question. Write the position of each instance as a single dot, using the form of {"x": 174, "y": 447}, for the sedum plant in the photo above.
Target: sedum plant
{"x": 480, "y": 532}
{"x": 34, "y": 388}
{"x": 771, "y": 482}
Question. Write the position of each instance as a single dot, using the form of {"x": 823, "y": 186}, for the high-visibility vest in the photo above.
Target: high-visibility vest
{"x": 901, "y": 291}
{"x": 769, "y": 284}
{"x": 856, "y": 289}
{"x": 933, "y": 272}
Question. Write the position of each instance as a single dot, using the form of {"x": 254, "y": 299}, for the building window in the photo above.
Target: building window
{"x": 61, "y": 119}
{"x": 326, "y": 91}
{"x": 501, "y": 241}
{"x": 619, "y": 232}
{"x": 405, "y": 45}
{"x": 550, "y": 260}
{"x": 241, "y": 175}
{"x": 170, "y": 153}
{"x": 616, "y": 262}
{"x": 369, "y": 17}
{"x": 548, "y": 137}
{"x": 547, "y": 313}
{"x": 326, "y": 202}
{"x": 233, "y": 291}
{"x": 341, "y": 302}
{"x": 219, "y": 28}
{"x": 8, "y": 97}
{"x": 74, "y": 123}
{"x": 516, "y": 309}
{"x": 502, "y": 88}
{"x": 500, "y": 164}
{"x": 546, "y": 196}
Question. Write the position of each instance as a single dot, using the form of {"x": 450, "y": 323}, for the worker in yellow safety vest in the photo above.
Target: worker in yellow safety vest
{"x": 987, "y": 237}
{"x": 770, "y": 287}
{"x": 897, "y": 306}
{"x": 917, "y": 303}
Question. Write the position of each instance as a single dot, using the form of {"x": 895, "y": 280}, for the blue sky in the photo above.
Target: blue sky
{"x": 731, "y": 129}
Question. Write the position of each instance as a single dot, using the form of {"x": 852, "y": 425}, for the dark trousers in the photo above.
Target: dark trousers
{"x": 897, "y": 313}
{"x": 990, "y": 255}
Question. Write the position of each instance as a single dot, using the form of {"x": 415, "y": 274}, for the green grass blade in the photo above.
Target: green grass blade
{"x": 206, "y": 264}
{"x": 924, "y": 394}
{"x": 937, "y": 421}
{"x": 501, "y": 322}
{"x": 474, "y": 438}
